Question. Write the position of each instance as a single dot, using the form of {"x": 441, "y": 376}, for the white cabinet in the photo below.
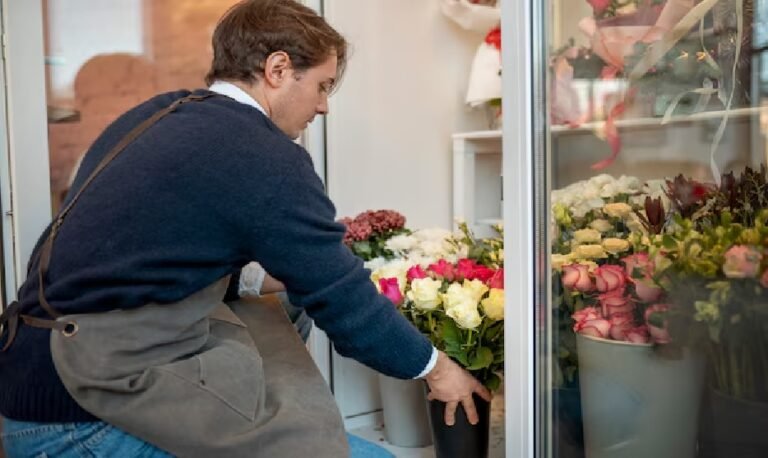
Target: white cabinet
{"x": 477, "y": 190}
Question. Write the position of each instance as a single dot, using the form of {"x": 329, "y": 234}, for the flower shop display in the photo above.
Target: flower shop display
{"x": 716, "y": 271}
{"x": 458, "y": 303}
{"x": 380, "y": 237}
{"x": 609, "y": 316}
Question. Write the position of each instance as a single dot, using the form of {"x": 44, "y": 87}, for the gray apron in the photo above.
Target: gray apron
{"x": 197, "y": 378}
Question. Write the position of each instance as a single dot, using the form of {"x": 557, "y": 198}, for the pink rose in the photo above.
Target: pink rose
{"x": 659, "y": 334}
{"x": 496, "y": 280}
{"x": 646, "y": 291}
{"x": 465, "y": 269}
{"x": 638, "y": 335}
{"x": 614, "y": 302}
{"x": 609, "y": 278}
{"x": 589, "y": 322}
{"x": 415, "y": 272}
{"x": 442, "y": 269}
{"x": 596, "y": 328}
{"x": 621, "y": 324}
{"x": 640, "y": 270}
{"x": 576, "y": 276}
{"x": 391, "y": 289}
{"x": 482, "y": 273}
{"x": 742, "y": 261}
{"x": 598, "y": 6}
{"x": 639, "y": 261}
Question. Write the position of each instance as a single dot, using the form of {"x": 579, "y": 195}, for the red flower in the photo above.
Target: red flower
{"x": 494, "y": 37}
{"x": 496, "y": 280}
{"x": 415, "y": 272}
{"x": 391, "y": 289}
{"x": 465, "y": 268}
{"x": 442, "y": 269}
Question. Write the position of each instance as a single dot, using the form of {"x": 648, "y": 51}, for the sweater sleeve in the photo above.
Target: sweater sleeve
{"x": 299, "y": 243}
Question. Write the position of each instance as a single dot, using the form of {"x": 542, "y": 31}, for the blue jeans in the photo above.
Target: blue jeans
{"x": 73, "y": 440}
{"x": 100, "y": 440}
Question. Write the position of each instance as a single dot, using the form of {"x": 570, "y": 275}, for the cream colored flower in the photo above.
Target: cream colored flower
{"x": 465, "y": 316}
{"x": 395, "y": 269}
{"x": 615, "y": 246}
{"x": 617, "y": 209}
{"x": 587, "y": 236}
{"x": 458, "y": 296}
{"x": 476, "y": 288}
{"x": 589, "y": 251}
{"x": 425, "y": 293}
{"x": 601, "y": 225}
{"x": 402, "y": 243}
{"x": 558, "y": 260}
{"x": 493, "y": 305}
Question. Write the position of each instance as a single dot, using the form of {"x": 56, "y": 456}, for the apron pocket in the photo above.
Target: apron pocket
{"x": 230, "y": 371}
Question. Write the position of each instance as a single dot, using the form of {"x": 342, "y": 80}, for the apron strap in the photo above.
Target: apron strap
{"x": 9, "y": 320}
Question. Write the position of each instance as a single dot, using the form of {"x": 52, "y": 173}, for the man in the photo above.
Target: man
{"x": 212, "y": 185}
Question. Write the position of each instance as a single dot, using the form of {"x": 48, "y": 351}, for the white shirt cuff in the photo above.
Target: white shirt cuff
{"x": 251, "y": 280}
{"x": 430, "y": 364}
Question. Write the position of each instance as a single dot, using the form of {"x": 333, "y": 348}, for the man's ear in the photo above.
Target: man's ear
{"x": 277, "y": 68}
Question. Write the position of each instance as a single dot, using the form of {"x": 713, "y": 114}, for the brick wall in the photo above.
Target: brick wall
{"x": 178, "y": 53}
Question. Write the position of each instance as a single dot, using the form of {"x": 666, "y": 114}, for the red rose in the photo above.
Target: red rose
{"x": 465, "y": 268}
{"x": 497, "y": 280}
{"x": 576, "y": 276}
{"x": 415, "y": 272}
{"x": 442, "y": 269}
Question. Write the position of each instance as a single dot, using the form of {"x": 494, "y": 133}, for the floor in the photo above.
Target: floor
{"x": 496, "y": 448}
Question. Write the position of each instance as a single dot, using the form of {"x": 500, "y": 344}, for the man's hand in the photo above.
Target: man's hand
{"x": 449, "y": 383}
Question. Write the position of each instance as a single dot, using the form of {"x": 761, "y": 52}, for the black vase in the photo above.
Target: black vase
{"x": 567, "y": 425}
{"x": 732, "y": 428}
{"x": 462, "y": 440}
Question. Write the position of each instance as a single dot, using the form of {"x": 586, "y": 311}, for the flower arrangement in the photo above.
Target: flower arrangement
{"x": 458, "y": 305}
{"x": 602, "y": 277}
{"x": 368, "y": 232}
{"x": 715, "y": 267}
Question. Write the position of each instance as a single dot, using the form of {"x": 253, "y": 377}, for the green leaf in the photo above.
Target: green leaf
{"x": 669, "y": 242}
{"x": 450, "y": 333}
{"x": 481, "y": 359}
{"x": 493, "y": 382}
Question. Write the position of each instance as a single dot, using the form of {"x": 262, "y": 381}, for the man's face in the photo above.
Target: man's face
{"x": 304, "y": 96}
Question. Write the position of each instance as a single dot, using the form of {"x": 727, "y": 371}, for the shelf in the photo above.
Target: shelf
{"x": 656, "y": 122}
{"x": 478, "y": 135}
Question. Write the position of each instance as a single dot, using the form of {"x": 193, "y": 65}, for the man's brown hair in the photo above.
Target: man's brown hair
{"x": 253, "y": 29}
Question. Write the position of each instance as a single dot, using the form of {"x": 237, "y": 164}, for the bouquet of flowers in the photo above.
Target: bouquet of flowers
{"x": 602, "y": 275}
{"x": 368, "y": 232}
{"x": 716, "y": 271}
{"x": 458, "y": 305}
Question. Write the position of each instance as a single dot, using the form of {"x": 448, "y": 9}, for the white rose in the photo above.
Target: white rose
{"x": 467, "y": 317}
{"x": 589, "y": 252}
{"x": 394, "y": 269}
{"x": 425, "y": 293}
{"x": 458, "y": 296}
{"x": 401, "y": 243}
{"x": 558, "y": 260}
{"x": 615, "y": 246}
{"x": 475, "y": 288}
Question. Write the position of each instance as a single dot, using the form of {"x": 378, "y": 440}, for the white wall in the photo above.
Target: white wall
{"x": 389, "y": 129}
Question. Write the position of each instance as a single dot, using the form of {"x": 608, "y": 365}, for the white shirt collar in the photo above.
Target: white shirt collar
{"x": 234, "y": 92}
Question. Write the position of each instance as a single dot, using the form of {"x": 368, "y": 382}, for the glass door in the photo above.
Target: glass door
{"x": 654, "y": 195}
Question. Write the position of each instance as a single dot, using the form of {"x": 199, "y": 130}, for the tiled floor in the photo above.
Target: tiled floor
{"x": 496, "y": 449}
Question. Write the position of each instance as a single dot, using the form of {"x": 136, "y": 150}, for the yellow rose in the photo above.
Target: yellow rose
{"x": 601, "y": 225}
{"x": 587, "y": 236}
{"x": 457, "y": 297}
{"x": 615, "y": 246}
{"x": 425, "y": 293}
{"x": 617, "y": 209}
{"x": 590, "y": 251}
{"x": 493, "y": 305}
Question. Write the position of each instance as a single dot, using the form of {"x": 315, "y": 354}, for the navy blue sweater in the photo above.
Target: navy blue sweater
{"x": 207, "y": 189}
